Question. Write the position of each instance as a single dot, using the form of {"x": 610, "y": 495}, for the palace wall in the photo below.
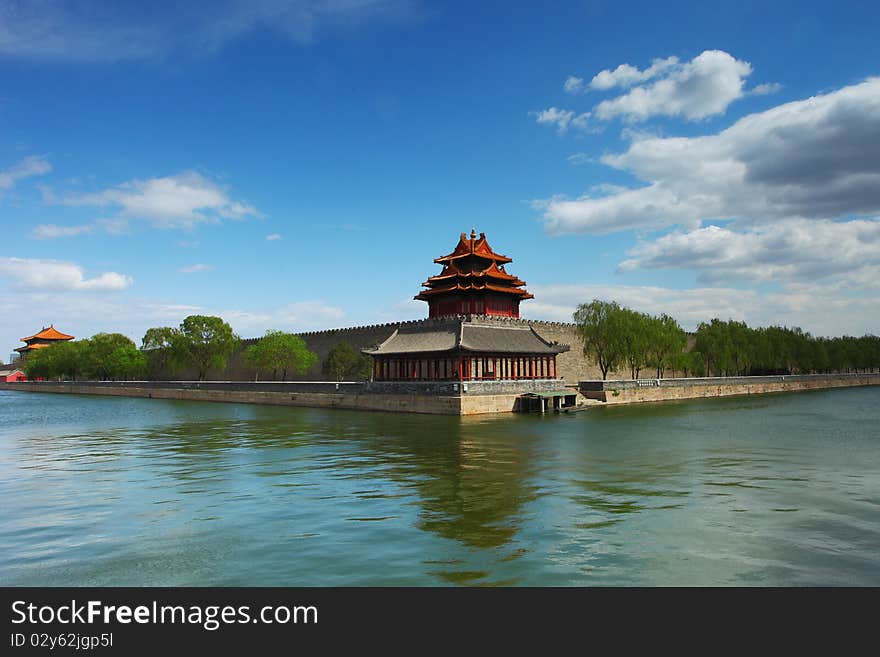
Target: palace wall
{"x": 320, "y": 342}
{"x": 571, "y": 365}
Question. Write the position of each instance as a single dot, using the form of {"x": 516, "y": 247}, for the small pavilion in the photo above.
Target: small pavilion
{"x": 473, "y": 331}
{"x": 45, "y": 338}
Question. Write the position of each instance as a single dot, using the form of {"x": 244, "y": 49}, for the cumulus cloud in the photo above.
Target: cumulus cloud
{"x": 813, "y": 159}
{"x": 180, "y": 201}
{"x": 51, "y": 231}
{"x": 29, "y": 166}
{"x": 35, "y": 274}
{"x": 626, "y": 75}
{"x": 573, "y": 84}
{"x": 817, "y": 309}
{"x": 789, "y": 250}
{"x": 561, "y": 118}
{"x": 69, "y": 29}
{"x": 765, "y": 89}
{"x": 87, "y": 312}
{"x": 195, "y": 269}
{"x": 703, "y": 87}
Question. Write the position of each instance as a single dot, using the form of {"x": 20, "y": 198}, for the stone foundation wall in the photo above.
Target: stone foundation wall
{"x": 485, "y": 397}
{"x": 648, "y": 390}
{"x": 351, "y": 396}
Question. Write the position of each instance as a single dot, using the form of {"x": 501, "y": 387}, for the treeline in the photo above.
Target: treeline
{"x": 199, "y": 344}
{"x": 104, "y": 356}
{"x": 733, "y": 348}
{"x": 619, "y": 338}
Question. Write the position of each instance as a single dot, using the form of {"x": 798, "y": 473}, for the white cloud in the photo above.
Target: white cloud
{"x": 765, "y": 89}
{"x": 194, "y": 269}
{"x": 626, "y": 75}
{"x": 561, "y": 118}
{"x": 813, "y": 308}
{"x": 90, "y": 30}
{"x": 579, "y": 158}
{"x": 114, "y": 226}
{"x": 573, "y": 84}
{"x": 29, "y": 166}
{"x": 180, "y": 201}
{"x": 87, "y": 312}
{"x": 273, "y": 237}
{"x": 787, "y": 250}
{"x": 815, "y": 158}
{"x": 51, "y": 231}
{"x": 38, "y": 274}
{"x": 703, "y": 87}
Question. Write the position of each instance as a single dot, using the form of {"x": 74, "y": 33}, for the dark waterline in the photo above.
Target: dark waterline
{"x": 770, "y": 490}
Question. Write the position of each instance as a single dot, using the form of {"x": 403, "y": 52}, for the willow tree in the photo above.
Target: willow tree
{"x": 599, "y": 325}
{"x": 279, "y": 351}
{"x": 667, "y": 340}
{"x": 163, "y": 348}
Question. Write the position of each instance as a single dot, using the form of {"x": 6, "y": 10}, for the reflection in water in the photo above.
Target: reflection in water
{"x": 115, "y": 491}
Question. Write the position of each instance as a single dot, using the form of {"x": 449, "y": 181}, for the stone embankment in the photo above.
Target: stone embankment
{"x": 443, "y": 398}
{"x": 437, "y": 398}
{"x": 648, "y": 390}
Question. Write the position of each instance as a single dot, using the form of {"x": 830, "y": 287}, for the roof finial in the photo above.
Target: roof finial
{"x": 473, "y": 233}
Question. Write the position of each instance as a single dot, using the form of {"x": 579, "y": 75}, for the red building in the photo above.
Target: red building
{"x": 473, "y": 332}
{"x": 473, "y": 281}
{"x": 11, "y": 375}
{"x": 43, "y": 339}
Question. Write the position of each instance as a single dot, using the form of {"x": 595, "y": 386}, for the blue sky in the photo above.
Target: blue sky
{"x": 298, "y": 165}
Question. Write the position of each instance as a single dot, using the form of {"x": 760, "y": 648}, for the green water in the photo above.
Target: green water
{"x": 771, "y": 490}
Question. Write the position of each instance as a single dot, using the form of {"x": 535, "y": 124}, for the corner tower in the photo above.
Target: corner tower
{"x": 473, "y": 282}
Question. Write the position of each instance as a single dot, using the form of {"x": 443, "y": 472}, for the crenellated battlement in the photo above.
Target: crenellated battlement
{"x": 427, "y": 321}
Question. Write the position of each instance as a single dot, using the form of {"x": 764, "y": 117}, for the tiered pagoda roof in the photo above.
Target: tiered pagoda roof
{"x": 50, "y": 333}
{"x": 42, "y": 339}
{"x": 473, "y": 267}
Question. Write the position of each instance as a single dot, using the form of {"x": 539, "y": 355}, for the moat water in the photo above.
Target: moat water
{"x": 767, "y": 490}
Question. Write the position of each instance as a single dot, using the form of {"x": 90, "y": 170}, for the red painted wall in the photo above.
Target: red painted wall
{"x": 474, "y": 306}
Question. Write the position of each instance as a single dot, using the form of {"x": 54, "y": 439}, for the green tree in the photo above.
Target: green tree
{"x": 713, "y": 341}
{"x": 98, "y": 355}
{"x": 127, "y": 362}
{"x": 599, "y": 326}
{"x": 279, "y": 351}
{"x": 344, "y": 362}
{"x": 68, "y": 359}
{"x": 36, "y": 364}
{"x": 635, "y": 335}
{"x": 666, "y": 342}
{"x": 164, "y": 352}
{"x": 206, "y": 342}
